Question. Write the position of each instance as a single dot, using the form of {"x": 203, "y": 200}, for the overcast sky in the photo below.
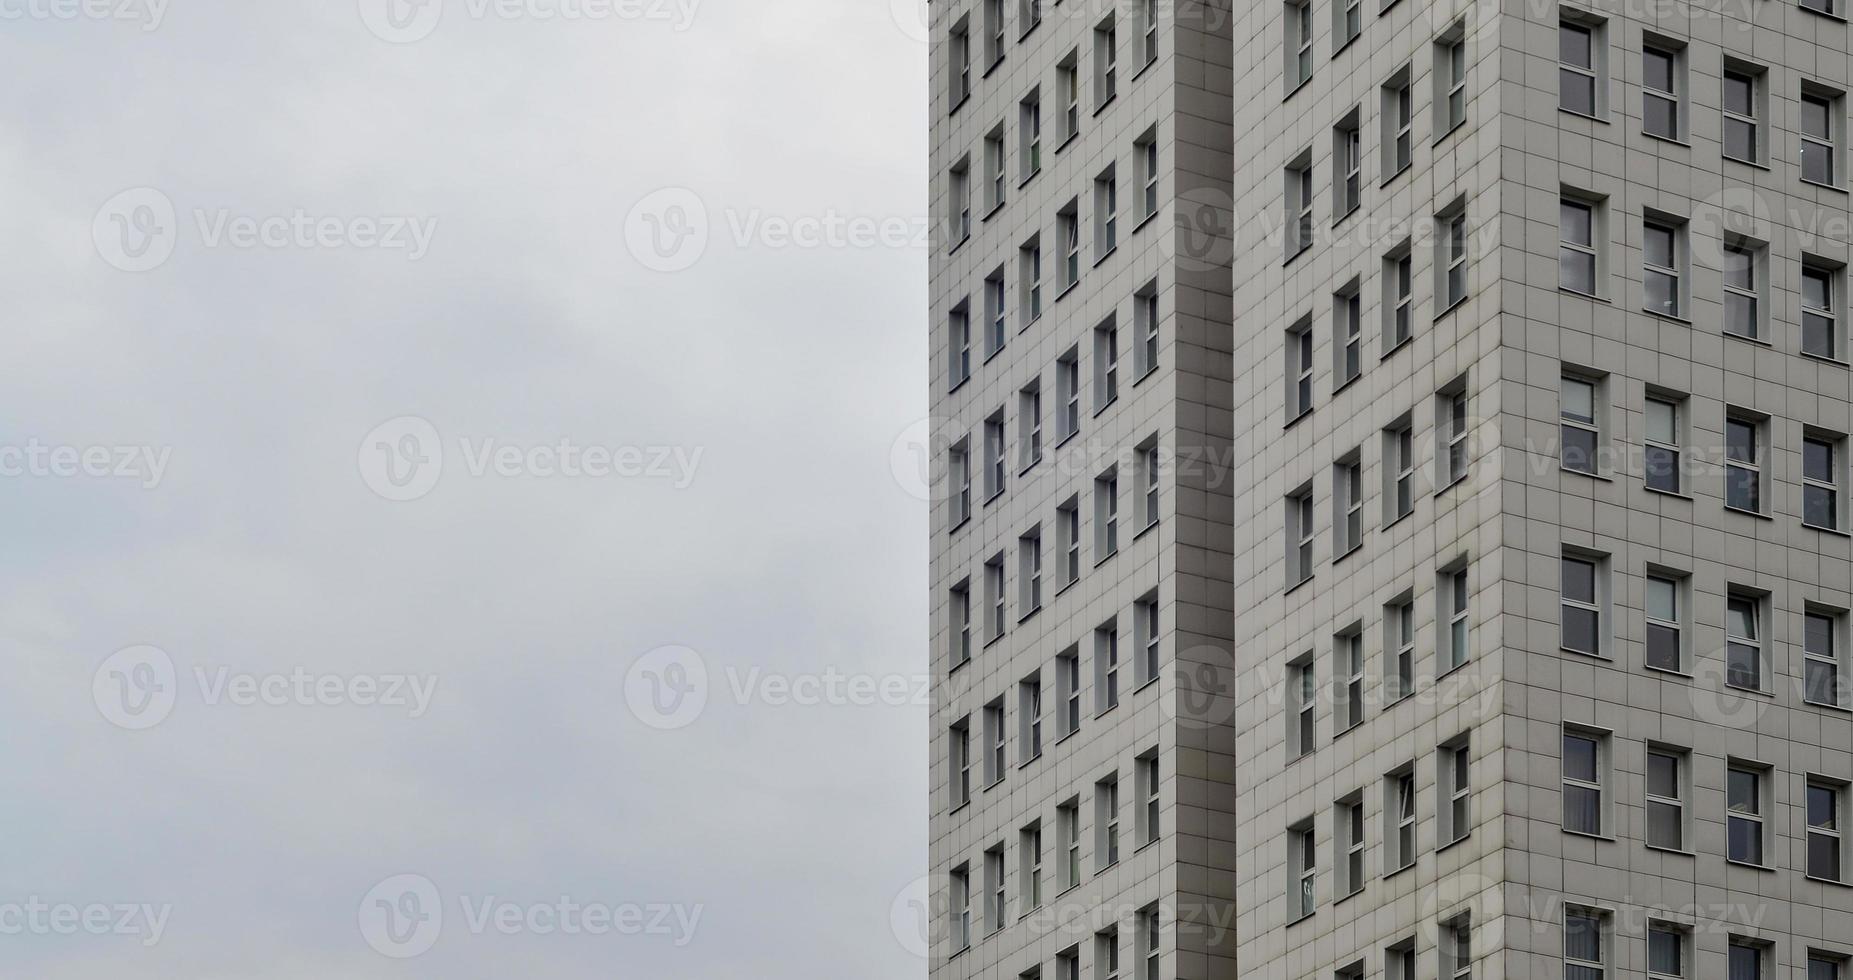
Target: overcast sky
{"x": 444, "y": 463}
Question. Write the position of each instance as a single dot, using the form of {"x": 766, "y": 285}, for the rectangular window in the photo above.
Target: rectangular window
{"x": 1585, "y": 781}
{"x": 1145, "y": 151}
{"x": 1349, "y": 845}
{"x": 1348, "y": 506}
{"x": 1029, "y": 280}
{"x": 1068, "y": 677}
{"x": 1068, "y": 964}
{"x": 1106, "y": 365}
{"x": 960, "y": 909}
{"x": 1585, "y": 944}
{"x": 1820, "y": 136}
{"x": 1453, "y": 258}
{"x": 1068, "y": 824}
{"x": 1029, "y": 129}
{"x": 1667, "y": 943}
{"x": 1577, "y": 253}
{"x": 1744, "y": 98}
{"x": 1743, "y": 467}
{"x": 1744, "y": 831}
{"x": 1832, "y": 9}
{"x": 1820, "y": 321}
{"x": 1749, "y": 959}
{"x": 1150, "y": 483}
{"x": 1029, "y": 14}
{"x": 1666, "y": 645}
{"x": 1299, "y": 369}
{"x": 993, "y": 32}
{"x": 1347, "y": 23}
{"x": 1148, "y": 22}
{"x": 1068, "y": 393}
{"x": 1302, "y": 856}
{"x": 1743, "y": 630}
{"x": 994, "y": 902}
{"x": 1148, "y": 798}
{"x": 1302, "y": 707}
{"x": 996, "y": 451}
{"x": 1029, "y": 571}
{"x": 1662, "y": 460}
{"x": 1456, "y": 952}
{"x": 1454, "y": 771}
{"x": 1399, "y": 621}
{"x": 1581, "y": 432}
{"x": 1300, "y": 534}
{"x": 960, "y": 600}
{"x": 1029, "y": 849}
{"x": 1298, "y": 202}
{"x": 1667, "y": 782}
{"x": 1663, "y": 258}
{"x": 958, "y": 346}
{"x": 1029, "y": 425}
{"x": 1106, "y": 214}
{"x": 959, "y": 53}
{"x": 1350, "y": 657}
{"x": 1399, "y": 961}
{"x": 1824, "y": 681}
{"x": 1347, "y": 335}
{"x": 1579, "y": 69}
{"x": 1106, "y": 62}
{"x": 1398, "y": 124}
{"x": 1150, "y": 946}
{"x": 1106, "y": 667}
{"x": 1398, "y": 298}
{"x": 1068, "y": 229}
{"x": 961, "y": 198}
{"x": 1106, "y": 516}
{"x": 1453, "y": 425}
{"x": 1347, "y": 165}
{"x": 1145, "y": 633}
{"x": 994, "y": 598}
{"x": 959, "y": 479}
{"x": 1583, "y": 601}
{"x": 1298, "y": 21}
{"x": 1145, "y": 324}
{"x": 1825, "y": 966}
{"x": 996, "y": 314}
{"x": 1399, "y": 472}
{"x": 1662, "y": 90}
{"x": 994, "y": 169}
{"x": 1107, "y": 819}
{"x": 1029, "y": 719}
{"x": 1107, "y": 955}
{"x": 1068, "y": 526}
{"x": 1455, "y": 596}
{"x": 1399, "y": 818}
{"x": 1821, "y": 467}
{"x": 1450, "y": 80}
{"x": 1068, "y": 93}
{"x": 1743, "y": 292}
{"x": 1826, "y": 804}
{"x": 960, "y": 746}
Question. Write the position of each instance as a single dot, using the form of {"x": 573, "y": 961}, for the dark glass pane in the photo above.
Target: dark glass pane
{"x": 1823, "y": 802}
{"x": 1662, "y": 292}
{"x": 1662, "y": 469}
{"x": 1582, "y": 810}
{"x": 1742, "y": 792}
{"x": 1738, "y": 92}
{"x": 1818, "y": 335}
{"x": 1818, "y": 460}
{"x": 1574, "y": 45}
{"x": 1579, "y": 758}
{"x": 1824, "y": 857}
{"x": 1817, "y": 163}
{"x": 1743, "y": 667}
{"x": 1663, "y": 826}
{"x": 1662, "y": 647}
{"x": 1663, "y": 776}
{"x": 1665, "y": 949}
{"x": 1741, "y": 489}
{"x": 1576, "y": 271}
{"x": 1661, "y": 117}
{"x": 1818, "y": 634}
{"x": 1739, "y": 139}
{"x": 1746, "y": 841}
{"x": 1818, "y": 507}
{"x": 1579, "y": 630}
{"x": 1740, "y": 315}
{"x": 1823, "y": 683}
{"x": 1657, "y": 70}
{"x": 1579, "y": 580}
{"x": 1578, "y": 91}
{"x": 1579, "y": 449}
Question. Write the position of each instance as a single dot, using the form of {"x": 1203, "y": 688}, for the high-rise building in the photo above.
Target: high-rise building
{"x": 1533, "y": 379}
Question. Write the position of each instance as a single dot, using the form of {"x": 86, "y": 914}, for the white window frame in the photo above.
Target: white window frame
{"x": 1757, "y": 818}
{"x": 1106, "y": 62}
{"x": 1672, "y": 447}
{"x": 1029, "y": 564}
{"x": 1753, "y": 640}
{"x": 1681, "y": 778}
{"x": 1068, "y": 394}
{"x": 1814, "y": 658}
{"x": 1753, "y": 466}
{"x": 1106, "y": 516}
{"x": 1827, "y": 317}
{"x": 1302, "y": 851}
{"x": 1599, "y": 786}
{"x": 1106, "y": 667}
{"x": 1592, "y": 71}
{"x": 1350, "y": 654}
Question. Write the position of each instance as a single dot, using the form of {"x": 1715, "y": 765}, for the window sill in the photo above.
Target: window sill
{"x": 953, "y": 250}
{"x": 1399, "y": 345}
{"x": 1753, "y": 867}
{"x": 1348, "y": 552}
{"x": 1027, "y": 178}
{"x": 1142, "y": 70}
{"x": 1102, "y": 713}
{"x": 993, "y": 641}
{"x": 1342, "y": 899}
{"x": 1032, "y": 760}
{"x": 1451, "y": 671}
{"x": 1828, "y": 881}
{"x": 1668, "y": 672}
{"x": 1688, "y": 498}
{"x": 1674, "y": 317}
{"x": 1297, "y": 419}
{"x": 1339, "y": 219}
{"x": 1142, "y": 847}
{"x": 1102, "y": 257}
{"x": 1450, "y": 308}
{"x": 1674, "y": 851}
{"x": 960, "y": 526}
{"x": 988, "y": 501}
{"x": 1443, "y": 138}
{"x": 1456, "y": 842}
{"x": 1824, "y": 706}
{"x": 1140, "y": 533}
{"x": 1451, "y": 484}
{"x": 1032, "y": 321}
{"x": 993, "y": 67}
{"x": 1065, "y": 440}
{"x": 1070, "y": 138}
{"x": 1824, "y": 15}
{"x": 1029, "y": 466}
{"x": 1561, "y": 468}
{"x": 1610, "y": 838}
{"x": 1148, "y": 683}
{"x": 1825, "y": 187}
{"x": 1387, "y": 875}
{"x": 1296, "y": 253}
{"x": 988, "y": 357}
{"x": 1578, "y": 113}
{"x": 1585, "y": 654}
{"x": 963, "y": 806}
{"x": 1102, "y": 107}
{"x": 1758, "y": 164}
{"x": 1399, "y": 519}
{"x": 999, "y": 206}
{"x": 1059, "y": 592}
{"x": 1109, "y": 403}
{"x": 1306, "y": 917}
{"x": 1342, "y": 385}
{"x": 1297, "y": 586}
{"x": 1295, "y": 89}
{"x": 1148, "y": 372}
{"x": 1747, "y": 513}
{"x": 1836, "y": 532}
{"x": 1823, "y": 359}
{"x": 1348, "y": 42}
{"x": 962, "y": 99}
{"x": 1387, "y": 181}
{"x": 1342, "y": 733}
{"x": 1749, "y": 691}
{"x": 1065, "y": 738}
{"x": 1566, "y": 290}
{"x": 1103, "y": 559}
{"x": 1760, "y": 342}
{"x": 993, "y": 784}
{"x": 1026, "y": 616}
{"x": 962, "y": 383}
{"x": 953, "y": 670}
{"x": 1066, "y": 290}
{"x": 1143, "y": 222}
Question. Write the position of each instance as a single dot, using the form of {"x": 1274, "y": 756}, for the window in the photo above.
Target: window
{"x": 1302, "y": 707}
{"x": 1744, "y": 813}
{"x": 1583, "y": 601}
{"x": 1662, "y": 463}
{"x": 1106, "y": 214}
{"x": 1300, "y": 369}
{"x": 1456, "y": 952}
{"x": 1398, "y": 298}
{"x": 1347, "y": 165}
{"x": 1349, "y": 831}
{"x": 1820, "y": 324}
{"x": 1576, "y": 251}
{"x": 1299, "y": 43}
{"x": 1453, "y": 258}
{"x": 1826, "y": 800}
{"x": 1068, "y": 964}
{"x": 1350, "y": 657}
{"x": 1029, "y": 425}
{"x": 1744, "y": 98}
{"x": 1106, "y": 62}
{"x": 1743, "y": 297}
{"x": 1068, "y": 393}
{"x": 958, "y": 346}
{"x": 1148, "y": 795}
{"x": 961, "y": 191}
{"x": 1743, "y": 629}
{"x": 1348, "y": 506}
{"x": 1029, "y": 14}
{"x": 1106, "y": 667}
{"x": 1825, "y": 966}
{"x": 1107, "y": 954}
{"x": 1068, "y": 93}
{"x": 994, "y": 597}
{"x": 1150, "y": 481}
{"x": 1452, "y": 423}
{"x": 1450, "y": 80}
{"x": 960, "y": 601}
{"x": 1399, "y": 620}
{"x": 1107, "y": 819}
{"x": 959, "y": 477}
{"x": 1662, "y": 88}
{"x": 1029, "y": 130}
{"x": 1822, "y": 682}
{"x": 1579, "y": 70}
{"x": 1068, "y": 526}
{"x": 1299, "y": 204}
{"x": 959, "y": 50}
{"x": 1585, "y": 768}
{"x": 1150, "y": 947}
{"x": 1029, "y": 280}
{"x": 961, "y": 749}
{"x": 1455, "y": 596}
{"x": 1347, "y": 335}
{"x": 1831, "y": 9}
{"x": 993, "y": 32}
{"x": 961, "y": 908}
{"x": 1399, "y": 818}
{"x": 1068, "y": 676}
{"x": 1302, "y": 855}
{"x": 1666, "y": 799}
{"x": 1029, "y": 849}
{"x": 1145, "y": 324}
{"x": 1399, "y": 472}
{"x": 1748, "y": 958}
{"x": 1145, "y": 632}
{"x": 1665, "y": 624}
{"x": 1029, "y": 571}
{"x": 1106, "y": 516}
{"x": 1576, "y": 405}
{"x": 1029, "y": 720}
{"x": 1106, "y": 365}
{"x": 1398, "y": 124}
{"x": 1300, "y": 534}
{"x": 1145, "y": 151}
{"x": 1148, "y": 22}
{"x": 1068, "y": 228}
{"x": 1743, "y": 468}
{"x": 1585, "y": 945}
{"x": 1820, "y": 136}
{"x": 995, "y": 453}
{"x": 994, "y": 169}
{"x": 1663, "y": 259}
{"x": 1454, "y": 771}
{"x": 1666, "y": 951}
{"x": 995, "y": 313}
{"x": 1399, "y": 961}
{"x": 1068, "y": 824}
{"x": 1821, "y": 466}
{"x": 994, "y": 888}
{"x": 1347, "y": 23}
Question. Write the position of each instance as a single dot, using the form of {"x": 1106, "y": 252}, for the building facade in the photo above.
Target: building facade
{"x": 1532, "y": 376}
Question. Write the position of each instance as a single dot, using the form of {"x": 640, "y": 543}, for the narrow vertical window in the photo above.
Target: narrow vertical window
{"x": 1821, "y": 466}
{"x": 1662, "y": 462}
{"x": 1149, "y": 21}
{"x": 1351, "y": 844}
{"x": 1029, "y": 846}
{"x": 1825, "y": 802}
{"x": 1299, "y": 43}
{"x": 958, "y": 346}
{"x": 1029, "y": 571}
{"x": 1666, "y": 951}
{"x": 1107, "y": 667}
{"x": 1822, "y": 683}
{"x": 1068, "y": 229}
{"x": 1351, "y": 673}
{"x": 994, "y": 169}
{"x": 1347, "y": 336}
{"x": 1585, "y": 952}
{"x": 1456, "y": 772}
{"x": 1397, "y": 138}
{"x": 961, "y": 188}
{"x": 1068, "y": 526}
{"x": 1665, "y": 627}
{"x": 994, "y": 900}
{"x": 1068, "y": 393}
{"x": 994, "y": 765}
{"x": 1660, "y": 88}
{"x": 1300, "y": 533}
{"x": 1820, "y": 322}
{"x": 1743, "y": 295}
{"x": 1454, "y": 258}
{"x": 960, "y": 910}
{"x": 959, "y": 51}
{"x": 1029, "y": 127}
{"x": 1029, "y": 280}
{"x": 1068, "y": 819}
{"x": 1583, "y": 765}
{"x": 1302, "y": 852}
{"x": 1029, "y": 425}
{"x": 960, "y": 748}
{"x": 1581, "y": 436}
{"x": 1743, "y": 629}
{"x": 1300, "y": 369}
{"x": 1576, "y": 68}
{"x": 1454, "y": 424}
{"x": 1742, "y": 126}
{"x": 1106, "y": 62}
{"x": 1303, "y": 701}
{"x": 1398, "y": 299}
{"x": 1582, "y": 607}
{"x": 1068, "y": 673}
{"x": 1663, "y": 263}
{"x": 1666, "y": 800}
{"x": 1347, "y": 166}
{"x": 959, "y": 477}
{"x": 1149, "y": 809}
{"x": 1576, "y": 254}
{"x": 1146, "y": 150}
{"x": 1348, "y": 495}
{"x": 1457, "y": 596}
{"x": 1029, "y": 718}
{"x": 1819, "y": 137}
{"x": 1107, "y": 819}
{"x": 1106, "y": 516}
{"x": 1743, "y": 468}
{"x": 994, "y": 597}
{"x": 1145, "y": 323}
{"x": 1106, "y": 365}
{"x": 1401, "y": 629}
{"x": 1744, "y": 817}
{"x": 996, "y": 312}
{"x": 996, "y": 451}
{"x": 1145, "y": 624}
{"x": 1068, "y": 93}
{"x": 1149, "y": 476}
{"x": 1106, "y": 214}
{"x": 960, "y": 600}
